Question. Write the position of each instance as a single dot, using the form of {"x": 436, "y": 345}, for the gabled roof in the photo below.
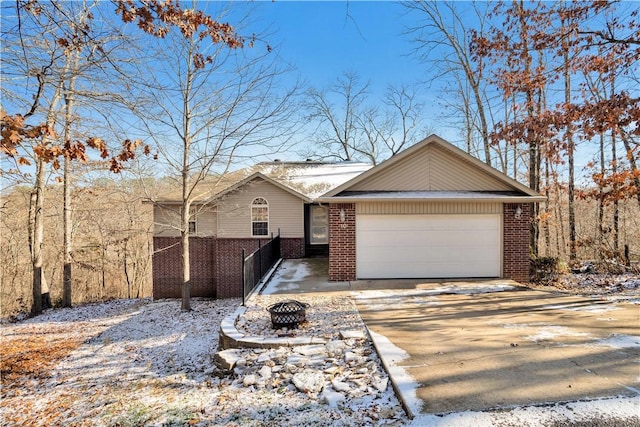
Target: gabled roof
{"x": 432, "y": 169}
{"x": 312, "y": 178}
{"x": 306, "y": 180}
{"x": 254, "y": 176}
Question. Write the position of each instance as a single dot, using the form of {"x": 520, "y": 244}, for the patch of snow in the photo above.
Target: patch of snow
{"x": 287, "y": 278}
{"x": 379, "y": 300}
{"x": 619, "y": 341}
{"x": 550, "y": 332}
{"x": 591, "y": 308}
{"x": 472, "y": 290}
{"x": 593, "y": 412}
{"x": 405, "y": 383}
{"x": 313, "y": 179}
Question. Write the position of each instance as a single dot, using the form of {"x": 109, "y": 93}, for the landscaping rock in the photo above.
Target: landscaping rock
{"x": 226, "y": 360}
{"x": 311, "y": 350}
{"x": 381, "y": 383}
{"x": 265, "y": 372}
{"x": 331, "y": 398}
{"x": 309, "y": 381}
{"x": 340, "y": 385}
{"x": 352, "y": 334}
{"x": 335, "y": 347}
{"x": 249, "y": 380}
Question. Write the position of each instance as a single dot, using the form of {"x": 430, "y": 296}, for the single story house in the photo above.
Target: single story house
{"x": 431, "y": 211}
{"x": 243, "y": 210}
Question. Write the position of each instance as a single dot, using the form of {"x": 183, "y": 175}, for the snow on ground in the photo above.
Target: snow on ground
{"x": 601, "y": 412}
{"x": 139, "y": 362}
{"x": 614, "y": 286}
{"x": 148, "y": 363}
{"x": 286, "y": 278}
{"x": 412, "y": 298}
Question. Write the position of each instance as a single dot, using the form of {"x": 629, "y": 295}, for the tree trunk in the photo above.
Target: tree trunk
{"x": 67, "y": 220}
{"x": 72, "y": 66}
{"x": 547, "y": 209}
{"x": 600, "y": 223}
{"x": 616, "y": 207}
{"x": 186, "y": 191}
{"x": 36, "y": 236}
{"x": 570, "y": 153}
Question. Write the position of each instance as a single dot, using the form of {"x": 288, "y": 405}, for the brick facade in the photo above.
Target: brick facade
{"x": 342, "y": 242}
{"x": 167, "y": 267}
{"x": 342, "y": 237}
{"x": 516, "y": 259}
{"x": 292, "y": 248}
{"x": 216, "y": 265}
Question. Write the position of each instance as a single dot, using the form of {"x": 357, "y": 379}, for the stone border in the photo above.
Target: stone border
{"x": 230, "y": 337}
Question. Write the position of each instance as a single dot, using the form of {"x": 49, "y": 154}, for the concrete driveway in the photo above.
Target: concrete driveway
{"x": 465, "y": 346}
{"x": 472, "y": 346}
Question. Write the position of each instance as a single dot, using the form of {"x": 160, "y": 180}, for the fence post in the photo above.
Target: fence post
{"x": 244, "y": 285}
{"x": 260, "y": 257}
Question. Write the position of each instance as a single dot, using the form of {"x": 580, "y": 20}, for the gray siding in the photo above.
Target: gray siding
{"x": 432, "y": 169}
{"x": 285, "y": 211}
{"x": 166, "y": 220}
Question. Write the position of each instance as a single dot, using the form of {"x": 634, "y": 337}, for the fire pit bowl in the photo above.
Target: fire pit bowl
{"x": 288, "y": 313}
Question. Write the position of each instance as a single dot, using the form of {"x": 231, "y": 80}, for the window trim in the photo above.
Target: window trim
{"x": 259, "y": 203}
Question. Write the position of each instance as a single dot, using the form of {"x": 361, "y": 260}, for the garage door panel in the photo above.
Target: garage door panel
{"x": 422, "y": 246}
{"x": 449, "y": 255}
{"x": 415, "y": 271}
{"x": 421, "y": 238}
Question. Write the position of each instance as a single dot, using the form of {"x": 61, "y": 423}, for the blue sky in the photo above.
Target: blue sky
{"x": 323, "y": 39}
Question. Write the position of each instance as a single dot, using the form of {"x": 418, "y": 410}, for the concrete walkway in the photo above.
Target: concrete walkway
{"x": 476, "y": 346}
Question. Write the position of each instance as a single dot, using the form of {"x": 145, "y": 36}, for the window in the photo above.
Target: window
{"x": 319, "y": 225}
{"x": 259, "y": 217}
{"x": 193, "y": 213}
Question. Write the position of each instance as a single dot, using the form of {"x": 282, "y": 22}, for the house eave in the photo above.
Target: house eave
{"x": 435, "y": 197}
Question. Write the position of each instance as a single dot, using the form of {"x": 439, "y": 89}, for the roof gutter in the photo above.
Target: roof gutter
{"x": 505, "y": 199}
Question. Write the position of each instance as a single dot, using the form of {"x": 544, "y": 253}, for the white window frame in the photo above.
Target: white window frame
{"x": 259, "y": 203}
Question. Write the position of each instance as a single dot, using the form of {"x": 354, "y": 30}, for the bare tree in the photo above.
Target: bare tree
{"x": 441, "y": 40}
{"x": 205, "y": 113}
{"x": 335, "y": 111}
{"x": 392, "y": 127}
{"x": 53, "y": 45}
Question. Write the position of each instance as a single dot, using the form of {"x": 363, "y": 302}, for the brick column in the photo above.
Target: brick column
{"x": 516, "y": 254}
{"x": 342, "y": 242}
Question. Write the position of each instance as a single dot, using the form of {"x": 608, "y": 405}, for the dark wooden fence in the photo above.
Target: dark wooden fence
{"x": 257, "y": 264}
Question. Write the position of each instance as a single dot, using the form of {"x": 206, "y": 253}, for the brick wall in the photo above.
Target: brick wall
{"x": 516, "y": 259}
{"x": 216, "y": 265}
{"x": 292, "y": 248}
{"x": 229, "y": 265}
{"x": 342, "y": 242}
{"x": 167, "y": 267}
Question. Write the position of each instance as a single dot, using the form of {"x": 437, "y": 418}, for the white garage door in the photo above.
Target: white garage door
{"x": 427, "y": 246}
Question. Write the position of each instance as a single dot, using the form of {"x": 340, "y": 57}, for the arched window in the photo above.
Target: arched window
{"x": 259, "y": 217}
